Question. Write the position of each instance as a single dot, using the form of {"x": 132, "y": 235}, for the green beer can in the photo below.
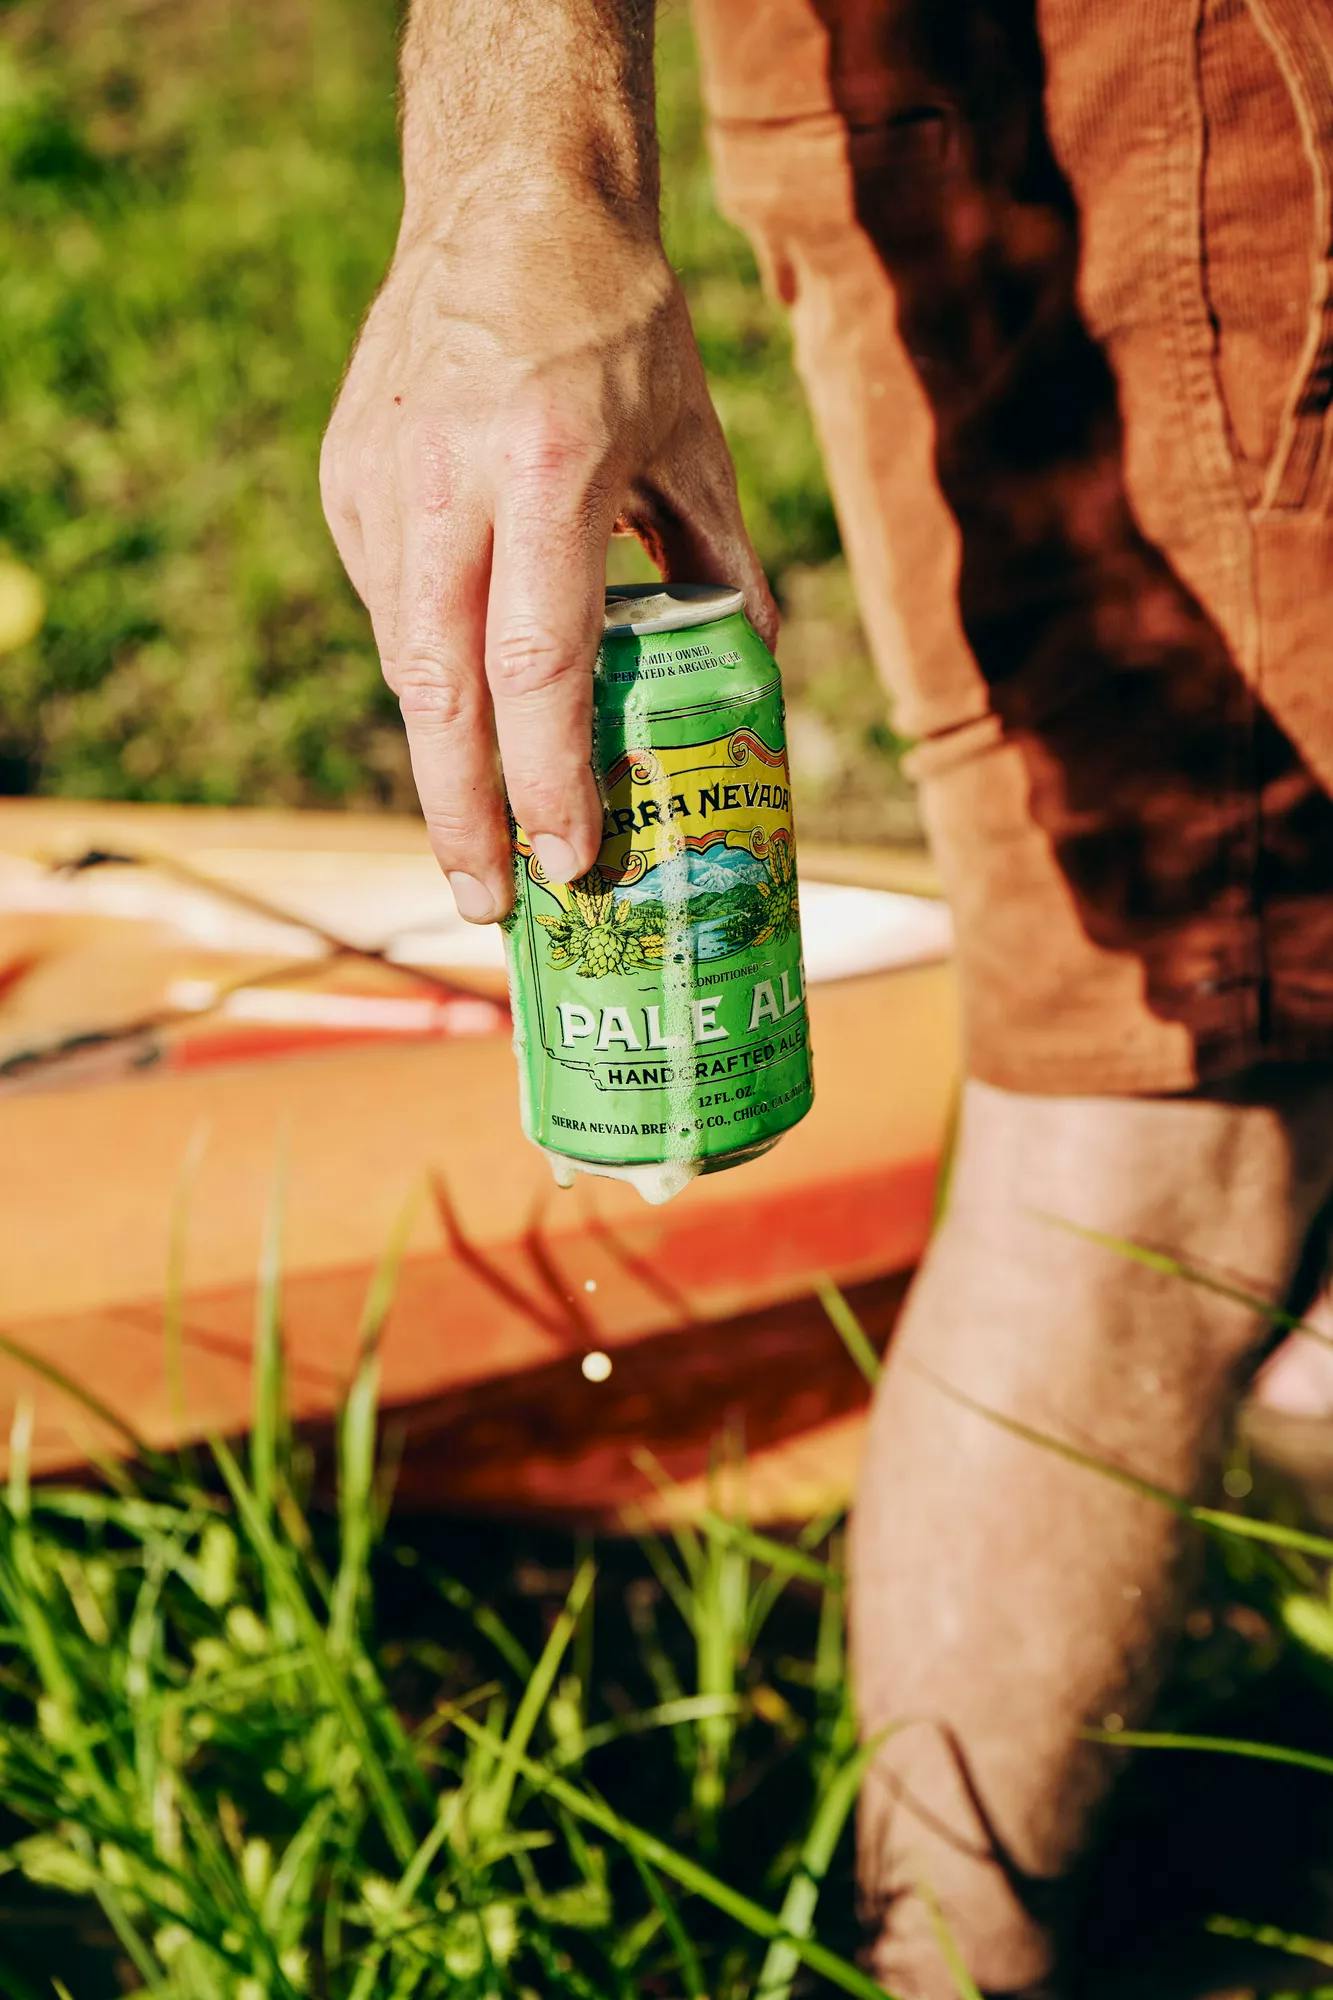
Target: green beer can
{"x": 659, "y": 1002}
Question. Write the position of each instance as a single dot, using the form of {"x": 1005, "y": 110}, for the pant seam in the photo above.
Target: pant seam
{"x": 1189, "y": 320}
{"x": 1201, "y": 412}
{"x": 1301, "y": 453}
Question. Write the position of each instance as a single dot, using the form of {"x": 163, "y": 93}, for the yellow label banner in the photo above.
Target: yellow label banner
{"x": 706, "y": 799}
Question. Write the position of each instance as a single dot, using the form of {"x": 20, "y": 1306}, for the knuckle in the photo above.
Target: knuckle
{"x": 546, "y": 453}
{"x": 373, "y": 464}
{"x": 430, "y": 467}
{"x": 539, "y": 801}
{"x": 527, "y": 659}
{"x": 428, "y": 687}
{"x": 355, "y": 471}
{"x": 352, "y": 461}
{"x": 452, "y": 830}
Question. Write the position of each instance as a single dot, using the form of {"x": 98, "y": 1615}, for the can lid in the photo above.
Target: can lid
{"x": 668, "y": 607}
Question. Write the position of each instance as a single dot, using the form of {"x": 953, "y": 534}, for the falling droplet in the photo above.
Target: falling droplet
{"x": 596, "y": 1366}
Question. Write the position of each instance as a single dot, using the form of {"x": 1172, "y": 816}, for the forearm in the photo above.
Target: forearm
{"x": 505, "y": 102}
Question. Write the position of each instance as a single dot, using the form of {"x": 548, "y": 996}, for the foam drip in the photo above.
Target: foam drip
{"x": 658, "y": 1181}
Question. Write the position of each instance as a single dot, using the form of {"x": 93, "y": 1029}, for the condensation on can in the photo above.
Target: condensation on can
{"x": 660, "y": 1019}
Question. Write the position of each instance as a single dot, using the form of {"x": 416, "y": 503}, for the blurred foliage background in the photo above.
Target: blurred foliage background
{"x": 196, "y": 204}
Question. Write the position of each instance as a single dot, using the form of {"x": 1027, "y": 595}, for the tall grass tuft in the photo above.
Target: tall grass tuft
{"x": 255, "y": 1748}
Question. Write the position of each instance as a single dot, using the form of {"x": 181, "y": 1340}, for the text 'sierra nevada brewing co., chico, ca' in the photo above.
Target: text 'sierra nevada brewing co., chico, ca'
{"x": 659, "y": 1002}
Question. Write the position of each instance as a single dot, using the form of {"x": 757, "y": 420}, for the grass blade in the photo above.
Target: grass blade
{"x": 835, "y": 1715}
{"x": 719, "y": 1621}
{"x": 292, "y": 1880}
{"x": 84, "y": 1398}
{"x": 797, "y": 1914}
{"x": 849, "y": 1330}
{"x": 939, "y": 1204}
{"x": 1192, "y": 1274}
{"x": 682, "y": 1534}
{"x": 1317, "y": 1950}
{"x": 781, "y": 1556}
{"x": 688, "y": 1963}
{"x": 1214, "y": 1520}
{"x": 268, "y": 1425}
{"x": 342, "y": 1694}
{"x": 20, "y": 1460}
{"x": 666, "y": 1715}
{"x": 406, "y": 1888}
{"x": 964, "y": 1983}
{"x": 173, "y": 1305}
{"x": 25, "y": 1586}
{"x": 490, "y": 1806}
{"x": 1223, "y": 1746}
{"x": 127, "y": 1936}
{"x": 229, "y": 1895}
{"x": 356, "y": 1440}
{"x": 770, "y": 1589}
{"x": 483, "y": 1618}
{"x": 838, "y": 1971}
{"x": 674, "y": 1585}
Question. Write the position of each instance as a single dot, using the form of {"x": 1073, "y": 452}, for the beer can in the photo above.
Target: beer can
{"x": 659, "y": 1002}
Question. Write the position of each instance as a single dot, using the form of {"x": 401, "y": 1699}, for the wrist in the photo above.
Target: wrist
{"x": 519, "y": 205}
{"x": 515, "y": 111}
{"x": 451, "y": 187}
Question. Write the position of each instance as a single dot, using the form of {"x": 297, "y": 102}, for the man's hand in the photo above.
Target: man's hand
{"x": 526, "y": 380}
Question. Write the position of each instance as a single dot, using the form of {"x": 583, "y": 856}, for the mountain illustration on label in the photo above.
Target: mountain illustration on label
{"x": 689, "y": 874}
{"x": 727, "y": 898}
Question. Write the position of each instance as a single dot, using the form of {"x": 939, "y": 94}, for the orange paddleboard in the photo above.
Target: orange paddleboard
{"x": 235, "y": 990}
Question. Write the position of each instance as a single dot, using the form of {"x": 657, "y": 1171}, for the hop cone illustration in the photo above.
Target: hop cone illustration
{"x": 780, "y": 912}
{"x": 598, "y": 936}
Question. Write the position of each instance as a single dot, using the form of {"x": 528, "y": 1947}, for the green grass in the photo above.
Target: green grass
{"x": 261, "y": 1750}
{"x": 254, "y": 1747}
{"x": 196, "y": 205}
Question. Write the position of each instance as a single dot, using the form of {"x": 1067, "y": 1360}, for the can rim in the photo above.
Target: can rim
{"x": 641, "y": 608}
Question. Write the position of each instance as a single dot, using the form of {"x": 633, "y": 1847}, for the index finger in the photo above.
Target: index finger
{"x": 436, "y": 674}
{"x": 543, "y": 628}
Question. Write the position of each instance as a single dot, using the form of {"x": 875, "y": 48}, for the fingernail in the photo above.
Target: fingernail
{"x": 474, "y": 899}
{"x": 556, "y": 856}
